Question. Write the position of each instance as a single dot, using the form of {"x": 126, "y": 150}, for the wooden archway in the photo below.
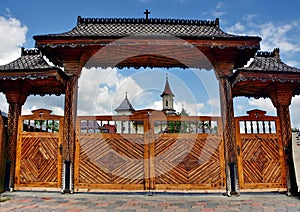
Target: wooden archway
{"x": 174, "y": 43}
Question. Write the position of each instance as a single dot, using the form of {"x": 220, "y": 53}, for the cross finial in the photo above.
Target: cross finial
{"x": 147, "y": 12}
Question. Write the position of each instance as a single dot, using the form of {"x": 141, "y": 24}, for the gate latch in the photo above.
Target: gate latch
{"x": 61, "y": 149}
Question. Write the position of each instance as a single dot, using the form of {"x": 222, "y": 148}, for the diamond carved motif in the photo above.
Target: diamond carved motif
{"x": 111, "y": 160}
{"x": 38, "y": 159}
{"x": 261, "y": 160}
{"x": 188, "y": 162}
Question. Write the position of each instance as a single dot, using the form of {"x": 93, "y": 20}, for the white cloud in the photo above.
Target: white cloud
{"x": 12, "y": 37}
{"x": 218, "y": 11}
{"x": 238, "y": 28}
{"x": 102, "y": 90}
{"x": 263, "y": 104}
{"x": 220, "y": 5}
{"x": 54, "y": 103}
{"x": 294, "y": 112}
{"x": 249, "y": 17}
{"x": 279, "y": 35}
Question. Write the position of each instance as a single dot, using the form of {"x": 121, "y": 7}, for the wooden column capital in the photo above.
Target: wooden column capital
{"x": 73, "y": 68}
{"x": 281, "y": 95}
{"x": 223, "y": 69}
{"x": 17, "y": 95}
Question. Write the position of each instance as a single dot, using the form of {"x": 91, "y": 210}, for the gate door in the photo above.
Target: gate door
{"x": 188, "y": 153}
{"x": 260, "y": 152}
{"x": 38, "y": 162}
{"x": 109, "y": 153}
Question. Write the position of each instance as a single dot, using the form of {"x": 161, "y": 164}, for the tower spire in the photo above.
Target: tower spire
{"x": 167, "y": 98}
{"x": 167, "y": 90}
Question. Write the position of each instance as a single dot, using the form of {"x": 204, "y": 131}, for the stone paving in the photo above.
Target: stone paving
{"x": 43, "y": 201}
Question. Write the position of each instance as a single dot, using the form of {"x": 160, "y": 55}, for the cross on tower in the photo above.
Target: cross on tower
{"x": 147, "y": 12}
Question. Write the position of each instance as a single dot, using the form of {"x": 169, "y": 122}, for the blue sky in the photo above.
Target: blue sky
{"x": 277, "y": 22}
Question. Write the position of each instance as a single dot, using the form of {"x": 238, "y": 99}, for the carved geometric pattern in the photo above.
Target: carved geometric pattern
{"x": 38, "y": 162}
{"x": 188, "y": 161}
{"x": 111, "y": 160}
{"x": 261, "y": 161}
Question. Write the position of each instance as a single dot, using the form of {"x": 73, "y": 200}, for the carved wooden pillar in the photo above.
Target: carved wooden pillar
{"x": 281, "y": 98}
{"x": 229, "y": 134}
{"x": 12, "y": 131}
{"x": 15, "y": 100}
{"x": 69, "y": 128}
{"x": 69, "y": 133}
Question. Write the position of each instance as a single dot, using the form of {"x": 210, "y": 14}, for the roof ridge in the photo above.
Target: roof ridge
{"x": 25, "y": 52}
{"x": 215, "y": 23}
{"x": 265, "y": 54}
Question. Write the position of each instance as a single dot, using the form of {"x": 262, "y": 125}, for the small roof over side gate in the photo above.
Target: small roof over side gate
{"x": 31, "y": 74}
{"x": 265, "y": 74}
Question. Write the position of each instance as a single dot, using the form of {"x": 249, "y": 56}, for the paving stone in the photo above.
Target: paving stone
{"x": 43, "y": 202}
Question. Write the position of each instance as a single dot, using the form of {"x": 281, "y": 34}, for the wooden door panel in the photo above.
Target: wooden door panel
{"x": 260, "y": 152}
{"x": 38, "y": 159}
{"x": 189, "y": 163}
{"x": 110, "y": 161}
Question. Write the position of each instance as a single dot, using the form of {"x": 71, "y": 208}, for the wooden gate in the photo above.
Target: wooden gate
{"x": 39, "y": 161}
{"x": 149, "y": 152}
{"x": 260, "y": 152}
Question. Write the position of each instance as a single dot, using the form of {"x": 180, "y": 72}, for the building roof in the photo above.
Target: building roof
{"x": 125, "y": 105}
{"x": 121, "y": 27}
{"x": 167, "y": 90}
{"x": 32, "y": 72}
{"x": 140, "y": 42}
{"x": 264, "y": 72}
{"x": 269, "y": 62}
{"x": 31, "y": 59}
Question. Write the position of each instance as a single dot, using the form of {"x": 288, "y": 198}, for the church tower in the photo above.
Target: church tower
{"x": 125, "y": 107}
{"x": 167, "y": 99}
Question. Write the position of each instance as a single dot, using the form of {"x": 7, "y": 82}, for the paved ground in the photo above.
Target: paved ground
{"x": 42, "y": 201}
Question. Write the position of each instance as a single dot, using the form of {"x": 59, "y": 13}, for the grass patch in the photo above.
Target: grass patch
{"x": 4, "y": 199}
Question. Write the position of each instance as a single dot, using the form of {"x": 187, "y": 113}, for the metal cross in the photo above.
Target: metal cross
{"x": 147, "y": 12}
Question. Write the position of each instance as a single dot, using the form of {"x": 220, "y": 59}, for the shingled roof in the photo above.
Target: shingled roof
{"x": 264, "y": 71}
{"x": 120, "y": 27}
{"x": 167, "y": 90}
{"x": 140, "y": 42}
{"x": 125, "y": 106}
{"x": 30, "y": 60}
{"x": 32, "y": 68}
{"x": 269, "y": 62}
